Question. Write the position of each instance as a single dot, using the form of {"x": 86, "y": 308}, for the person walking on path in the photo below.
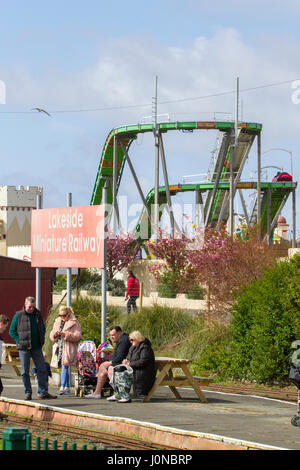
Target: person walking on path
{"x": 133, "y": 291}
{"x": 66, "y": 332}
{"x": 4, "y": 321}
{"x": 27, "y": 329}
{"x": 119, "y": 353}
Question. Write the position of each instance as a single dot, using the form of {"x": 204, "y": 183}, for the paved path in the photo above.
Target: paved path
{"x": 248, "y": 418}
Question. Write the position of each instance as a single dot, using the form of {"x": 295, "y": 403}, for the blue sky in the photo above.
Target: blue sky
{"x": 73, "y": 56}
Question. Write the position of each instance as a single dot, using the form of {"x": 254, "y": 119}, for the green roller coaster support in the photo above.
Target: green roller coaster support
{"x": 128, "y": 134}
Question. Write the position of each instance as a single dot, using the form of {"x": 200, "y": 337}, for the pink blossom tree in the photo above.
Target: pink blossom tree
{"x": 173, "y": 252}
{"x": 213, "y": 259}
{"x": 226, "y": 264}
{"x": 121, "y": 249}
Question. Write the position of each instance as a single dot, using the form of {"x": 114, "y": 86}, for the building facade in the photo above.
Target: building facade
{"x": 16, "y": 204}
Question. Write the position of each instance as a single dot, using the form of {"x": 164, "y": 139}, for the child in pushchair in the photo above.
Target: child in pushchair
{"x": 89, "y": 360}
{"x": 86, "y": 368}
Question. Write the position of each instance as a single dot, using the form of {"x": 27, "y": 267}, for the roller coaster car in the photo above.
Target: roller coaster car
{"x": 282, "y": 176}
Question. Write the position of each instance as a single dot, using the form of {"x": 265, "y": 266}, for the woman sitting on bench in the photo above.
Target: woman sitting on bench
{"x": 141, "y": 358}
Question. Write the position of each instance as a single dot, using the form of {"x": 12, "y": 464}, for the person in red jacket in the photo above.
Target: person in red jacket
{"x": 133, "y": 291}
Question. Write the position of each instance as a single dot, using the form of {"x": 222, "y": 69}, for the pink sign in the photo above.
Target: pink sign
{"x": 68, "y": 237}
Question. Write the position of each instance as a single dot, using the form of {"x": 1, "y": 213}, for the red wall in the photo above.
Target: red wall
{"x": 17, "y": 281}
{"x": 13, "y": 294}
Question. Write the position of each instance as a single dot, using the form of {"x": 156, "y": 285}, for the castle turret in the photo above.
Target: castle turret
{"x": 16, "y": 205}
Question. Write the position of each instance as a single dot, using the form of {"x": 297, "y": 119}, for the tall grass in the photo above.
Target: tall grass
{"x": 171, "y": 331}
{"x": 161, "y": 325}
{"x": 88, "y": 312}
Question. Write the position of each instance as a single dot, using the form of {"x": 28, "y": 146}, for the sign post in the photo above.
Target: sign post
{"x": 69, "y": 270}
{"x": 38, "y": 270}
{"x": 104, "y": 273}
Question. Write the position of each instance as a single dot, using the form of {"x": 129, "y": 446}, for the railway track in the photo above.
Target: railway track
{"x": 40, "y": 428}
{"x": 279, "y": 394}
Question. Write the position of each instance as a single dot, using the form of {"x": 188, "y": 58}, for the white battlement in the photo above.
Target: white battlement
{"x": 16, "y": 204}
{"x": 12, "y": 196}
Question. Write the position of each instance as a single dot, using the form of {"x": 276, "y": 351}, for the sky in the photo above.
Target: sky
{"x": 92, "y": 66}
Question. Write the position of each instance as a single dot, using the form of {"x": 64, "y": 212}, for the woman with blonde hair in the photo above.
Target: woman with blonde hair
{"x": 141, "y": 358}
{"x": 66, "y": 332}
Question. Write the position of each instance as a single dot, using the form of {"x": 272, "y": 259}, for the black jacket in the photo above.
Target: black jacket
{"x": 20, "y": 329}
{"x": 120, "y": 350}
{"x": 142, "y": 361}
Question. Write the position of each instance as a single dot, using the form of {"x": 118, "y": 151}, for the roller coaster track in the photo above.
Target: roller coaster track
{"x": 216, "y": 207}
{"x": 279, "y": 193}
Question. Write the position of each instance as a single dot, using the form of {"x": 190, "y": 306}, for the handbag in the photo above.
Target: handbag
{"x": 54, "y": 359}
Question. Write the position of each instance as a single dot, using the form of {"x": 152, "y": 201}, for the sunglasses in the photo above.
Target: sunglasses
{"x": 64, "y": 315}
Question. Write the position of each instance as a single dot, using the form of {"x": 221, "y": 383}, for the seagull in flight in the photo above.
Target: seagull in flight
{"x": 41, "y": 111}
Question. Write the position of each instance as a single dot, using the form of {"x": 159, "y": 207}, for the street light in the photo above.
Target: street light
{"x": 284, "y": 150}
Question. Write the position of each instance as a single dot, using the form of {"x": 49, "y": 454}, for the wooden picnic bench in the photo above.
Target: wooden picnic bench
{"x": 12, "y": 357}
{"x": 165, "y": 366}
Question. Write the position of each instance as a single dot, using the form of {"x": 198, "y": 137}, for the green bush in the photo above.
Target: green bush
{"x": 167, "y": 285}
{"x": 208, "y": 345}
{"x": 60, "y": 283}
{"x": 195, "y": 292}
{"x": 90, "y": 280}
{"x": 117, "y": 287}
{"x": 265, "y": 322}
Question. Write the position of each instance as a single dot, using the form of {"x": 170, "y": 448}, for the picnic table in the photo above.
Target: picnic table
{"x": 11, "y": 357}
{"x": 165, "y": 366}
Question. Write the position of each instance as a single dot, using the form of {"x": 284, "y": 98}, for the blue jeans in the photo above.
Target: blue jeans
{"x": 38, "y": 359}
{"x": 65, "y": 376}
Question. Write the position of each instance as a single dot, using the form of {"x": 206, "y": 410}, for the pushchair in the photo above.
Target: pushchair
{"x": 294, "y": 376}
{"x": 89, "y": 360}
{"x": 103, "y": 352}
{"x": 86, "y": 369}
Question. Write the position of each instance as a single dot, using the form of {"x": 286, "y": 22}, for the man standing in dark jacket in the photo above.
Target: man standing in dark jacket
{"x": 28, "y": 330}
{"x": 119, "y": 353}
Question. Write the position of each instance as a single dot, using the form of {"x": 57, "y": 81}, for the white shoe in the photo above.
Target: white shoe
{"x": 124, "y": 400}
{"x": 112, "y": 398}
{"x": 66, "y": 391}
{"x": 93, "y": 395}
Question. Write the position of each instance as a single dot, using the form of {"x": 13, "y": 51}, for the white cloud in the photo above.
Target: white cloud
{"x": 124, "y": 76}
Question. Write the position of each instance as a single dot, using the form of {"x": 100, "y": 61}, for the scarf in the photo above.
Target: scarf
{"x": 60, "y": 344}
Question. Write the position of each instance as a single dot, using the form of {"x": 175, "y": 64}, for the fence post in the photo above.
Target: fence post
{"x": 141, "y": 296}
{"x": 54, "y": 444}
{"x": 14, "y": 438}
{"x": 28, "y": 441}
{"x": 45, "y": 444}
{"x": 37, "y": 443}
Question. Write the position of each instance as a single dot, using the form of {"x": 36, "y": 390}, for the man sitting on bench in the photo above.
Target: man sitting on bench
{"x": 119, "y": 353}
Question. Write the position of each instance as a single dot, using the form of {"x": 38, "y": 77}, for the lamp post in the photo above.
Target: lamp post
{"x": 283, "y": 150}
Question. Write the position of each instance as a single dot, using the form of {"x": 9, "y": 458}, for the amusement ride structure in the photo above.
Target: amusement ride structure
{"x": 214, "y": 198}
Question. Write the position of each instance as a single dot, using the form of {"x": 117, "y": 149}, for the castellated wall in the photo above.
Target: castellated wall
{"x": 16, "y": 204}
